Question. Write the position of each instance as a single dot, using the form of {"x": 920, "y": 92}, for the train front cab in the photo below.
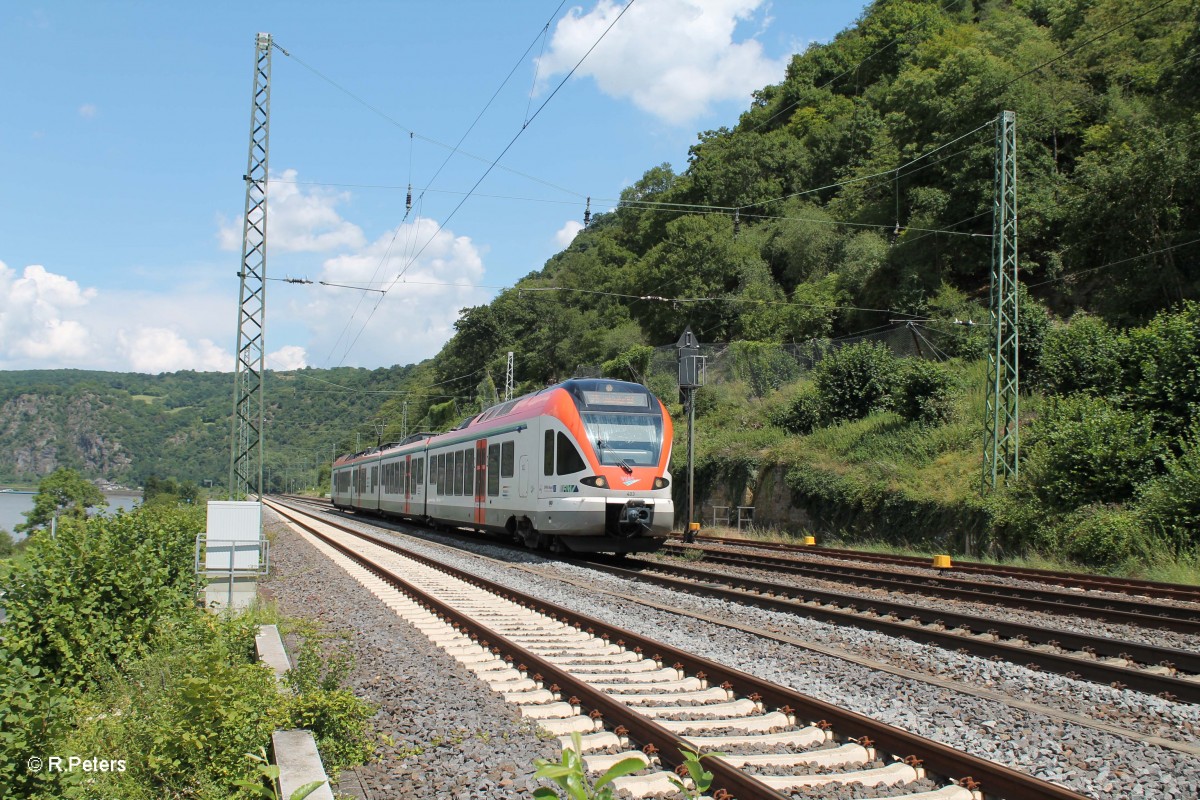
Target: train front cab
{"x": 603, "y": 483}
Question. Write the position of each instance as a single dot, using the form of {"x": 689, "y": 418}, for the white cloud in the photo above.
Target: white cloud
{"x": 417, "y": 315}
{"x": 32, "y": 323}
{"x": 566, "y": 234}
{"x": 287, "y": 358}
{"x": 163, "y": 350}
{"x": 87, "y": 110}
{"x": 47, "y": 321}
{"x": 299, "y": 219}
{"x": 672, "y": 58}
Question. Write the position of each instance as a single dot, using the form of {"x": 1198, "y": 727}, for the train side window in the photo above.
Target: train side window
{"x": 469, "y": 472}
{"x": 507, "y": 452}
{"x": 420, "y": 473}
{"x": 442, "y": 487}
{"x": 434, "y": 480}
{"x": 493, "y": 470}
{"x": 569, "y": 460}
{"x": 548, "y": 454}
{"x": 458, "y": 473}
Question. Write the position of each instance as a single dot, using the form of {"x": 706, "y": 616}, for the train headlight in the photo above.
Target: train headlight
{"x": 599, "y": 481}
{"x": 661, "y": 483}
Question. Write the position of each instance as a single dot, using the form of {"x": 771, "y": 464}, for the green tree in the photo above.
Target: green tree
{"x": 1086, "y": 450}
{"x": 856, "y": 380}
{"x": 62, "y": 493}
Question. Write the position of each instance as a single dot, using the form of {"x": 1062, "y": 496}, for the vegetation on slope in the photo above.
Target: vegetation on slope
{"x": 856, "y": 191}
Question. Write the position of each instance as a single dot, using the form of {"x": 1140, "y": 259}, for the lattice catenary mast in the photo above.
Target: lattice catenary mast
{"x": 1001, "y": 438}
{"x": 246, "y": 452}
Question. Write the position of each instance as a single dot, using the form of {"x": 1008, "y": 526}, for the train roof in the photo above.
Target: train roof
{"x": 589, "y": 391}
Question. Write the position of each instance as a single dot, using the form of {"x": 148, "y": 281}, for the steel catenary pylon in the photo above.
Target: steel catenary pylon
{"x": 246, "y": 450}
{"x": 1001, "y": 423}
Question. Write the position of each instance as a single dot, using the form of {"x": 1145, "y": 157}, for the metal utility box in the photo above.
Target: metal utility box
{"x": 232, "y": 553}
{"x": 233, "y": 539}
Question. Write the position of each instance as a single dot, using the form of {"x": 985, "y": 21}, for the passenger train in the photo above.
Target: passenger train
{"x": 580, "y": 466}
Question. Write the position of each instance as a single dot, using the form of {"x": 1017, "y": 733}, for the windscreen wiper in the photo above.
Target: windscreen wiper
{"x": 622, "y": 463}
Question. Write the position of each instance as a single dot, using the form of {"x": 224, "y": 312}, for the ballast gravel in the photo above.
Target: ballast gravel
{"x": 1046, "y": 620}
{"x": 447, "y": 736}
{"x": 1088, "y": 761}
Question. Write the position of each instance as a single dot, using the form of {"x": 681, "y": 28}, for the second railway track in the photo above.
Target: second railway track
{"x": 661, "y": 696}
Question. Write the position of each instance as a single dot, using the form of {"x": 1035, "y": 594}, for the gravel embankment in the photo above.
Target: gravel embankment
{"x": 1092, "y": 762}
{"x": 448, "y": 736}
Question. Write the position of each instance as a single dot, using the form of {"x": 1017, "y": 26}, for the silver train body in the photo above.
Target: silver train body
{"x": 579, "y": 466}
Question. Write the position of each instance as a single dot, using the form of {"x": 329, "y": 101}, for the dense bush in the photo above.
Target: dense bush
{"x": 95, "y": 595}
{"x": 1083, "y": 356}
{"x": 926, "y": 392}
{"x": 803, "y": 414}
{"x": 632, "y": 365}
{"x": 1087, "y": 450}
{"x": 1170, "y": 503}
{"x": 1163, "y": 369}
{"x": 856, "y": 380}
{"x": 1102, "y": 536}
{"x": 32, "y": 715}
{"x": 189, "y": 712}
{"x": 763, "y": 366}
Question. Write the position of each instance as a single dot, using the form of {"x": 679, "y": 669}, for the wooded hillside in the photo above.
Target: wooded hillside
{"x": 860, "y": 190}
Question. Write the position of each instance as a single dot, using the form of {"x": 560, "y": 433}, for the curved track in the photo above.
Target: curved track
{"x": 1168, "y": 672}
{"x": 617, "y": 695}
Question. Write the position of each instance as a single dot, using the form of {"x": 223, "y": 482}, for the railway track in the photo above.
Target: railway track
{"x": 631, "y": 696}
{"x": 1142, "y": 613}
{"x": 1065, "y": 580}
{"x": 1170, "y": 673}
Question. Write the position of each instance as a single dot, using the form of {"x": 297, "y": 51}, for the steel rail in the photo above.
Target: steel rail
{"x": 1172, "y": 591}
{"x": 778, "y": 597}
{"x": 845, "y": 611}
{"x": 995, "y": 780}
{"x": 1130, "y": 612}
{"x": 667, "y": 744}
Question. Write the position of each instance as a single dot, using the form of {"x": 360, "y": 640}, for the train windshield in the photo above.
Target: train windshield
{"x": 635, "y": 439}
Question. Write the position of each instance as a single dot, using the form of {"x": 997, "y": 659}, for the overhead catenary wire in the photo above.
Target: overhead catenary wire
{"x": 1075, "y": 273}
{"x": 421, "y": 136}
{"x": 442, "y": 224}
{"x": 854, "y": 68}
{"x": 884, "y": 173}
{"x": 410, "y": 234}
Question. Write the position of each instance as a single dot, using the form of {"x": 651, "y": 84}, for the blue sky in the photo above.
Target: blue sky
{"x": 125, "y": 130}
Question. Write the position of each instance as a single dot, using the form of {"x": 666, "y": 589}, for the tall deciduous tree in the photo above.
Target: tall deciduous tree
{"x": 63, "y": 492}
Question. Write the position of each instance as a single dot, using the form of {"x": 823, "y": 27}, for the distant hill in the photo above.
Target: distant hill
{"x": 128, "y": 426}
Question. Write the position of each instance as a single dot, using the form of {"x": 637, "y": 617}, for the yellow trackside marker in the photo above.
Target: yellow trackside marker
{"x": 941, "y": 562}
{"x": 693, "y": 526}
{"x": 810, "y": 540}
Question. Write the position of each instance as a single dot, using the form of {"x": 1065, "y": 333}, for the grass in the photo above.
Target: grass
{"x": 920, "y": 481}
{"x": 1185, "y": 570}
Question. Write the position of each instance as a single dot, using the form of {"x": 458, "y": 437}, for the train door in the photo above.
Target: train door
{"x": 523, "y": 479}
{"x": 405, "y": 484}
{"x": 480, "y": 480}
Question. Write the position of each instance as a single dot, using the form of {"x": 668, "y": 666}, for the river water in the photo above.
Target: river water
{"x": 13, "y": 506}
